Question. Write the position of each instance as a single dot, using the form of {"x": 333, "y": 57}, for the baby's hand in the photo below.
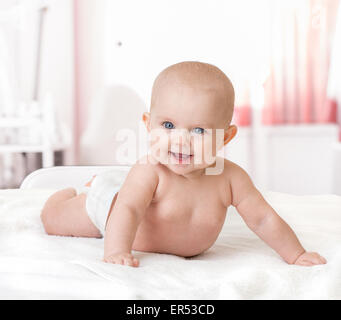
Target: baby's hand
{"x": 123, "y": 258}
{"x": 309, "y": 259}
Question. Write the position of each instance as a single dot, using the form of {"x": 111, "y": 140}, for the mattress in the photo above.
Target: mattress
{"x": 239, "y": 265}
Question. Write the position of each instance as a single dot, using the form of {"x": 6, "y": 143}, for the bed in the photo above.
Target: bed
{"x": 34, "y": 265}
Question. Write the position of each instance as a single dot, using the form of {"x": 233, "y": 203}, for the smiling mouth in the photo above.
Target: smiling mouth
{"x": 181, "y": 157}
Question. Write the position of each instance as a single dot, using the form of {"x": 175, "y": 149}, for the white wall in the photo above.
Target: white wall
{"x": 144, "y": 37}
{"x": 337, "y": 168}
{"x": 295, "y": 159}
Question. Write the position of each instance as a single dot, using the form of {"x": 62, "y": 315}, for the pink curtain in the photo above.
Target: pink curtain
{"x": 242, "y": 115}
{"x": 334, "y": 88}
{"x": 301, "y": 38}
{"x": 242, "y": 112}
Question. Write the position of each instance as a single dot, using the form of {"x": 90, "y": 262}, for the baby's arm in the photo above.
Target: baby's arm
{"x": 262, "y": 219}
{"x": 132, "y": 201}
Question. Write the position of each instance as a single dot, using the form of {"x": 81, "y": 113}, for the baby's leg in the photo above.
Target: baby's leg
{"x": 64, "y": 214}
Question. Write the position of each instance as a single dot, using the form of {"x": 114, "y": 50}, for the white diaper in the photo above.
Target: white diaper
{"x": 101, "y": 194}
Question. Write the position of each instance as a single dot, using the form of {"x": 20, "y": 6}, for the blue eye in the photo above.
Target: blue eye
{"x": 199, "y": 130}
{"x": 168, "y": 125}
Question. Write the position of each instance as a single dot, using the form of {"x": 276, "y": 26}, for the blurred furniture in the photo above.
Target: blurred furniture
{"x": 45, "y": 147}
{"x": 28, "y": 126}
{"x": 115, "y": 119}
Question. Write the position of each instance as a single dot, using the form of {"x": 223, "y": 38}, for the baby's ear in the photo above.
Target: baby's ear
{"x": 230, "y": 134}
{"x": 146, "y": 120}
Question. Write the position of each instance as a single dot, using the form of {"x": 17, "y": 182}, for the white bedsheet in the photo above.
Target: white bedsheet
{"x": 34, "y": 265}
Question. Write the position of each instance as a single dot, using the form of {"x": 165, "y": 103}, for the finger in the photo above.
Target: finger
{"x": 136, "y": 262}
{"x": 322, "y": 260}
{"x": 128, "y": 262}
{"x": 108, "y": 260}
{"x": 314, "y": 259}
{"x": 317, "y": 259}
{"x": 305, "y": 263}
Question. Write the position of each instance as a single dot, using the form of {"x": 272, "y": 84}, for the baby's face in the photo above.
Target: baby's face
{"x": 187, "y": 126}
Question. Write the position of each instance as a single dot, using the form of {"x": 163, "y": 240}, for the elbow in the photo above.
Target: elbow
{"x": 135, "y": 213}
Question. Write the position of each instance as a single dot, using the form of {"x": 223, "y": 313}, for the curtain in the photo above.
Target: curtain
{"x": 301, "y": 37}
{"x": 334, "y": 88}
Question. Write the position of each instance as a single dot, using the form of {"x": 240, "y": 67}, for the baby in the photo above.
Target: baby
{"x": 174, "y": 200}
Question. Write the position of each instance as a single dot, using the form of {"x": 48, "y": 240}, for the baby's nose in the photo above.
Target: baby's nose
{"x": 180, "y": 137}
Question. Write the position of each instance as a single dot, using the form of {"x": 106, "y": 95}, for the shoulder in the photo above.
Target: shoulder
{"x": 233, "y": 171}
{"x": 238, "y": 181}
{"x": 146, "y": 169}
{"x": 142, "y": 181}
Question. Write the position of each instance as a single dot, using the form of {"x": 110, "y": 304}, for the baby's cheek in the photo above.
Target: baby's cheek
{"x": 210, "y": 151}
{"x": 204, "y": 150}
{"x": 214, "y": 143}
{"x": 159, "y": 147}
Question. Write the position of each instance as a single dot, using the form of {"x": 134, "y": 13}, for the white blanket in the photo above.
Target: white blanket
{"x": 34, "y": 265}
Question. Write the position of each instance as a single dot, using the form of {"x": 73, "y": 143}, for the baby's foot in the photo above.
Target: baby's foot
{"x": 88, "y": 184}
{"x": 126, "y": 259}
